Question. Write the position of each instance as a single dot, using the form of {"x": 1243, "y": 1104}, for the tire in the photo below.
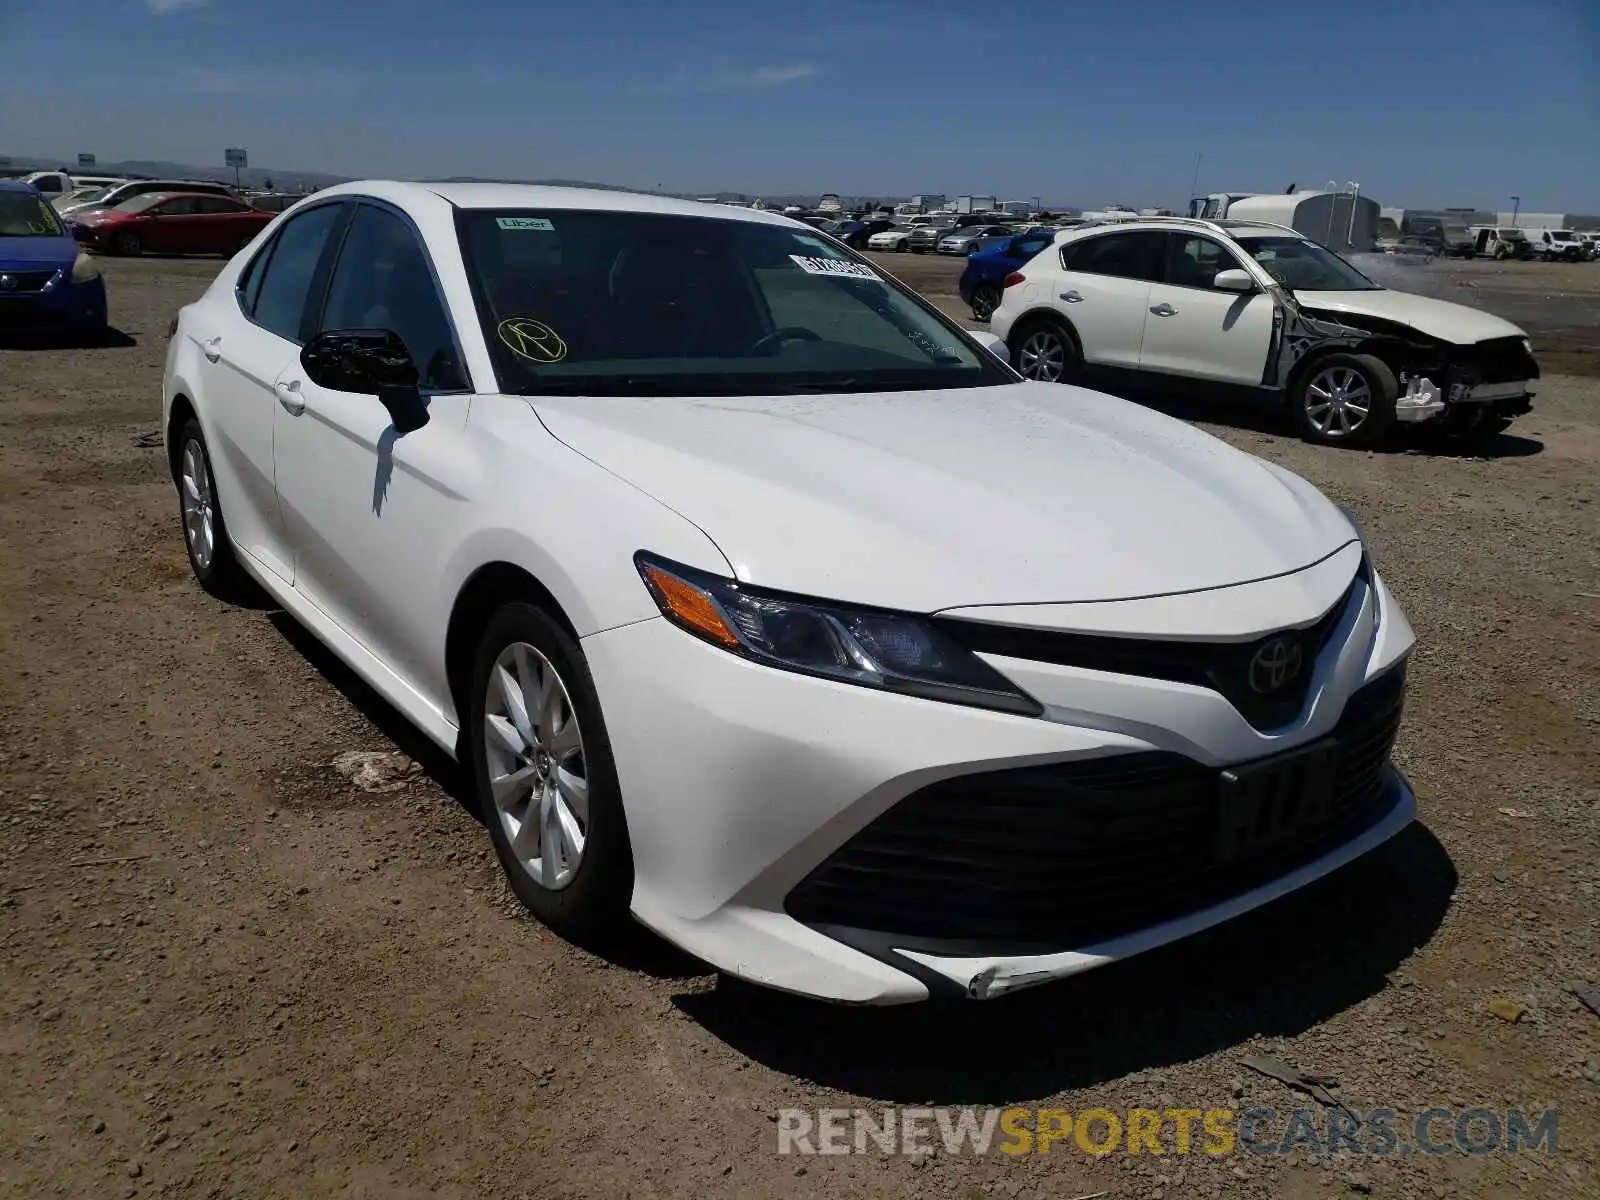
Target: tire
{"x": 902, "y": 246}
{"x": 587, "y": 894}
{"x": 1344, "y": 400}
{"x": 128, "y": 243}
{"x": 985, "y": 299}
{"x": 1043, "y": 349}
{"x": 205, "y": 533}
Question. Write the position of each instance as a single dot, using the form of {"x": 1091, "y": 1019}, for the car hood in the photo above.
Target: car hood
{"x": 1449, "y": 322}
{"x": 920, "y": 501}
{"x": 47, "y": 251}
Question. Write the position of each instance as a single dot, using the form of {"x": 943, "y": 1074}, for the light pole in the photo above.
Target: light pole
{"x": 1516, "y": 207}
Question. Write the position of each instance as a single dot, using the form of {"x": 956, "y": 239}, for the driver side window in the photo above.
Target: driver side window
{"x": 383, "y": 281}
{"x": 1194, "y": 262}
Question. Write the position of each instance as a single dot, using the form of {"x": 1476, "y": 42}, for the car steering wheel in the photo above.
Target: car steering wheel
{"x": 786, "y": 333}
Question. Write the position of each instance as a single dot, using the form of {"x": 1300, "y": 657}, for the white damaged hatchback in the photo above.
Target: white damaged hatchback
{"x": 767, "y": 606}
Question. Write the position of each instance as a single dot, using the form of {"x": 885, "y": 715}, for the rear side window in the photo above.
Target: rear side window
{"x": 279, "y": 295}
{"x": 383, "y": 281}
{"x": 1140, "y": 255}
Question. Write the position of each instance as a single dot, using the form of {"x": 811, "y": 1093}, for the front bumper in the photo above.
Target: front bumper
{"x": 60, "y": 304}
{"x": 740, "y": 781}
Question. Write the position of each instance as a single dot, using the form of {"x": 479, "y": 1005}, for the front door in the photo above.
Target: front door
{"x": 371, "y": 514}
{"x": 1199, "y": 330}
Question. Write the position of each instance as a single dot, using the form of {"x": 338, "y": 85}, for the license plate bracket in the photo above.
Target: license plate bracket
{"x": 1268, "y": 802}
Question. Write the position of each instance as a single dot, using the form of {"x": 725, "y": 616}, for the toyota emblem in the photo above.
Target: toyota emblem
{"x": 1276, "y": 665}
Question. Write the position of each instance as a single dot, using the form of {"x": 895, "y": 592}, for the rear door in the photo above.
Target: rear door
{"x": 1104, "y": 289}
{"x": 1197, "y": 329}
{"x": 247, "y": 343}
{"x": 170, "y": 227}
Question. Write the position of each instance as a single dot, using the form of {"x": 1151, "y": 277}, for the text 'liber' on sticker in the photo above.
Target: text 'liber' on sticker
{"x": 536, "y": 224}
{"x": 532, "y": 340}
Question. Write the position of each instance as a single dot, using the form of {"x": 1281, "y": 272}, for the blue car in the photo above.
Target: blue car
{"x": 985, "y": 276}
{"x": 47, "y": 283}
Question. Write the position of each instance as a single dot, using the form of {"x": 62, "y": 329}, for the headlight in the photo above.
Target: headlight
{"x": 84, "y": 269}
{"x": 894, "y": 652}
{"x": 1527, "y": 345}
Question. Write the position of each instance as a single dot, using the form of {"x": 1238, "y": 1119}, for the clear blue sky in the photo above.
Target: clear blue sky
{"x": 1425, "y": 103}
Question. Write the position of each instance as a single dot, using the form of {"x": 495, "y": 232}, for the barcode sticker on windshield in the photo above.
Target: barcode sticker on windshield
{"x": 538, "y": 224}
{"x": 834, "y": 266}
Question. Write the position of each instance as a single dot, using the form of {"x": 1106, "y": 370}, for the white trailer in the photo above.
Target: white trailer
{"x": 1344, "y": 222}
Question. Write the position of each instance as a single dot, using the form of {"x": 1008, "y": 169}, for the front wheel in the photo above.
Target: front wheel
{"x": 546, "y": 780}
{"x": 1345, "y": 400}
{"x": 128, "y": 244}
{"x": 1046, "y": 352}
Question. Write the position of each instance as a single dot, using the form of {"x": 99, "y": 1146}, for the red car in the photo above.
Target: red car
{"x": 172, "y": 223}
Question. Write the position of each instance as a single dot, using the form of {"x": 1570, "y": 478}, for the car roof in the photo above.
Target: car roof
{"x": 17, "y": 185}
{"x": 1177, "y": 225}
{"x": 538, "y": 196}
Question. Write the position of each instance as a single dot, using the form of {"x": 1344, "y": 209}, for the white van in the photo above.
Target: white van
{"x": 1554, "y": 245}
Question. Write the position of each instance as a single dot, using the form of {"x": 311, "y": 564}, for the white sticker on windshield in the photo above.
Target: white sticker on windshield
{"x": 537, "y": 224}
{"x": 840, "y": 267}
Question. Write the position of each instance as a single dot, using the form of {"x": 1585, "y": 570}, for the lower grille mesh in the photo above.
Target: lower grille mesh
{"x": 1072, "y": 854}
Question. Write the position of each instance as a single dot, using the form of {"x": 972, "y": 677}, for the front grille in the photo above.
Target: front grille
{"x": 24, "y": 283}
{"x": 1072, "y": 854}
{"x": 1224, "y": 667}
{"x": 1498, "y": 360}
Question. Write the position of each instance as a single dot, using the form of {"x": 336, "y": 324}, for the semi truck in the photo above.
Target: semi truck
{"x": 1346, "y": 222}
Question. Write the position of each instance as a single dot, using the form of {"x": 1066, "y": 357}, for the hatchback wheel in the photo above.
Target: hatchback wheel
{"x": 1345, "y": 400}
{"x": 985, "y": 299}
{"x": 1045, "y": 352}
{"x": 205, "y": 534}
{"x": 546, "y": 780}
{"x": 128, "y": 243}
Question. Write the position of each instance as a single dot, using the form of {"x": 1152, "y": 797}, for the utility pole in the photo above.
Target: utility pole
{"x": 1516, "y": 207}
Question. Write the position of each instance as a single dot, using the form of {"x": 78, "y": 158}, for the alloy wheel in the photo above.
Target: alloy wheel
{"x": 1337, "y": 401}
{"x": 984, "y": 302}
{"x": 538, "y": 776}
{"x": 1043, "y": 356}
{"x": 199, "y": 505}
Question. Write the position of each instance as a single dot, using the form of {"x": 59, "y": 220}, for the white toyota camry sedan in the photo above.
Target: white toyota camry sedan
{"x": 766, "y": 605}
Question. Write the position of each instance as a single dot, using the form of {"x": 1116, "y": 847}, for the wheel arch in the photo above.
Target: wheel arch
{"x": 1041, "y": 314}
{"x": 486, "y": 589}
{"x": 179, "y": 414}
{"x": 1399, "y": 356}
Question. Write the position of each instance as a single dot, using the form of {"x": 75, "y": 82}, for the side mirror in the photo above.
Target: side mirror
{"x": 372, "y": 361}
{"x": 991, "y": 342}
{"x": 1235, "y": 279}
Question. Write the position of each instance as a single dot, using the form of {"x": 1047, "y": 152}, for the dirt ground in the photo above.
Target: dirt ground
{"x": 225, "y": 972}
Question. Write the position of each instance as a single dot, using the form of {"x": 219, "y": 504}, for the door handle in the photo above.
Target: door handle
{"x": 289, "y": 396}
{"x": 212, "y": 348}
{"x": 1071, "y": 297}
{"x": 1164, "y": 310}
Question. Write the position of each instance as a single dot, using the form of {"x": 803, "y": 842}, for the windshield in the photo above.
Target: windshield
{"x": 1304, "y": 266}
{"x": 618, "y": 303}
{"x": 24, "y": 214}
{"x": 1561, "y": 235}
